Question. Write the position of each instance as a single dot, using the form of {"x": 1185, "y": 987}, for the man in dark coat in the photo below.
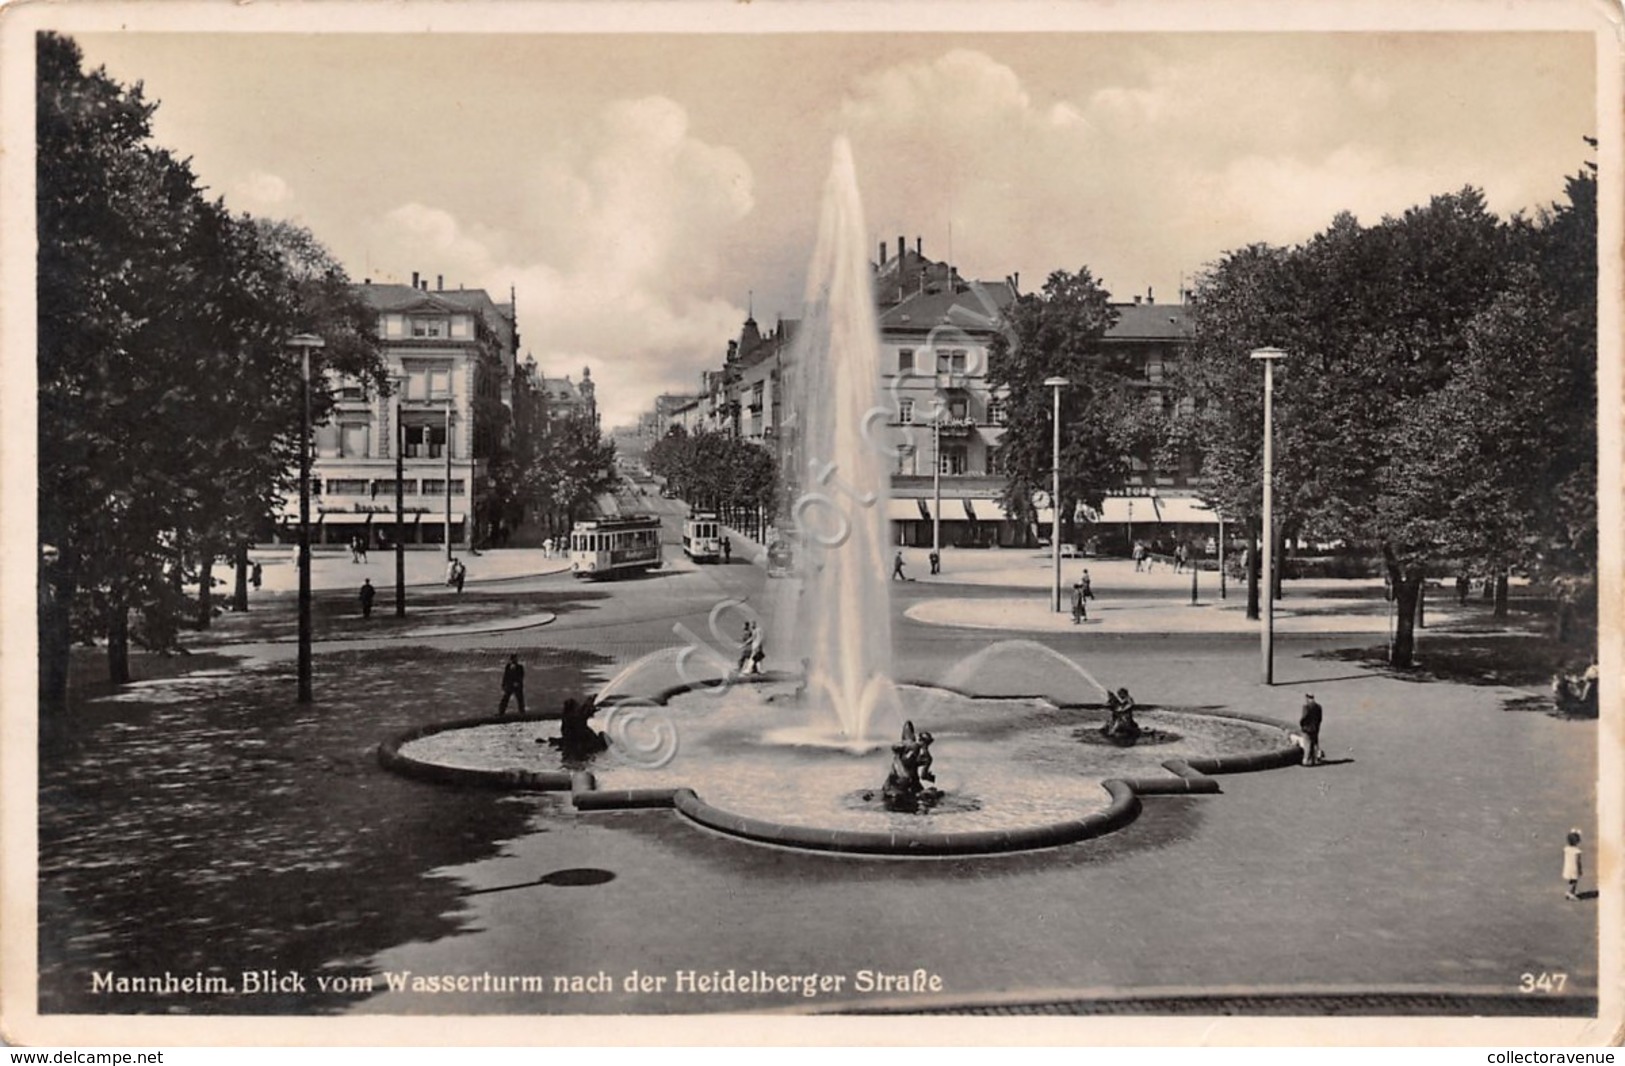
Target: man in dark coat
{"x": 513, "y": 685}
{"x": 1309, "y": 723}
{"x": 368, "y": 594}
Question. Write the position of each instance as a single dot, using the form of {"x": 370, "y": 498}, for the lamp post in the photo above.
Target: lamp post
{"x": 1221, "y": 558}
{"x": 1268, "y": 356}
{"x": 400, "y": 501}
{"x": 305, "y": 342}
{"x": 1056, "y": 383}
{"x": 448, "y": 478}
{"x": 936, "y": 484}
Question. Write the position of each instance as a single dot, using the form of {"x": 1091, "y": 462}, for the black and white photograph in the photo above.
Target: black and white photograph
{"x": 755, "y": 522}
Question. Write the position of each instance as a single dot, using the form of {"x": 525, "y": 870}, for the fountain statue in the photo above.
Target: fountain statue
{"x": 905, "y": 789}
{"x": 1121, "y": 726}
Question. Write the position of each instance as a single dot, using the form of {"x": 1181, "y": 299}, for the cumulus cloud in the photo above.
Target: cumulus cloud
{"x": 260, "y": 190}
{"x": 629, "y": 217}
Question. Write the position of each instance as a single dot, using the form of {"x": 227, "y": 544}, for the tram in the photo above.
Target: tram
{"x": 605, "y": 547}
{"x": 702, "y": 537}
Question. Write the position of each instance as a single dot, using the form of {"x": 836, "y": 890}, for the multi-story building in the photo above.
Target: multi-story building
{"x": 452, "y": 357}
{"x": 567, "y": 399}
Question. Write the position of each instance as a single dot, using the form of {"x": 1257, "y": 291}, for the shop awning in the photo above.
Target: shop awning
{"x": 970, "y": 509}
{"x": 1173, "y": 509}
{"x": 379, "y": 518}
{"x": 902, "y": 511}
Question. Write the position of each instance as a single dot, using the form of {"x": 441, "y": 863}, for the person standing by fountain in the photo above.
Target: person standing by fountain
{"x": 513, "y": 685}
{"x": 758, "y": 649}
{"x": 1079, "y": 608}
{"x": 1309, "y": 721}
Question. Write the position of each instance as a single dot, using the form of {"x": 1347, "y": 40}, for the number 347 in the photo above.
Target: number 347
{"x": 1550, "y": 983}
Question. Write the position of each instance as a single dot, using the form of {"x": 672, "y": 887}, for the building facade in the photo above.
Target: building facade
{"x": 451, "y": 356}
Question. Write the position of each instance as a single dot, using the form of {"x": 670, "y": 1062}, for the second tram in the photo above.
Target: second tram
{"x": 702, "y": 537}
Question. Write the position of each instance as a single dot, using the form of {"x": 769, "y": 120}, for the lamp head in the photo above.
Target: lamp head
{"x": 1266, "y": 353}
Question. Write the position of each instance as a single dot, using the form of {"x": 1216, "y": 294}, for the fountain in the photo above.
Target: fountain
{"x": 839, "y": 615}
{"x": 1012, "y": 751}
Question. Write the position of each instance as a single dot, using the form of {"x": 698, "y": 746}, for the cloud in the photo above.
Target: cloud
{"x": 260, "y": 190}
{"x": 628, "y": 218}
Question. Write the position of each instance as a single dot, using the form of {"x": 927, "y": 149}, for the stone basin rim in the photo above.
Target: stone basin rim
{"x": 1187, "y": 777}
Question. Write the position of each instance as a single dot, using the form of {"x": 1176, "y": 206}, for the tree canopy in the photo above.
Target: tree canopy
{"x": 1438, "y": 400}
{"x": 170, "y": 405}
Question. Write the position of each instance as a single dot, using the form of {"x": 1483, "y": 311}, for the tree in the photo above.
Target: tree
{"x": 1055, "y": 332}
{"x": 569, "y": 465}
{"x": 169, "y": 405}
{"x": 1421, "y": 397}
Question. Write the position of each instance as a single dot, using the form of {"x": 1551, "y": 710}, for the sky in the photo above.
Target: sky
{"x": 640, "y": 194}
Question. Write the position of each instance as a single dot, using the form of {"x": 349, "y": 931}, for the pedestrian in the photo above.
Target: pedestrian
{"x": 747, "y": 647}
{"x": 897, "y": 568}
{"x": 547, "y": 548}
{"x": 1463, "y": 586}
{"x": 1139, "y": 556}
{"x": 451, "y": 571}
{"x": 1079, "y": 609}
{"x": 361, "y": 546}
{"x": 368, "y": 594}
{"x": 459, "y": 574}
{"x": 1309, "y": 723}
{"x": 355, "y": 550}
{"x": 256, "y": 576}
{"x": 1088, "y": 591}
{"x": 513, "y": 685}
{"x": 1179, "y": 559}
{"x": 758, "y": 649}
{"x": 1573, "y": 865}
{"x": 727, "y": 551}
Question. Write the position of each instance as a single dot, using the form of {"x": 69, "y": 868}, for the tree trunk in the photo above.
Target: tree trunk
{"x": 1422, "y": 604}
{"x": 55, "y": 638}
{"x": 1278, "y": 563}
{"x": 1407, "y": 586}
{"x": 1252, "y": 570}
{"x": 1501, "y": 593}
{"x": 118, "y": 638}
{"x": 205, "y": 586}
{"x": 240, "y": 593}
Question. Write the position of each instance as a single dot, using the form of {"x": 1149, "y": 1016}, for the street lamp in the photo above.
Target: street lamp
{"x": 1268, "y": 356}
{"x": 1056, "y": 383}
{"x": 448, "y": 478}
{"x": 305, "y": 342}
{"x": 936, "y": 484}
{"x": 400, "y": 500}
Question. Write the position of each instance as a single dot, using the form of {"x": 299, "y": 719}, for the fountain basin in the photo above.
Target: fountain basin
{"x": 1016, "y": 773}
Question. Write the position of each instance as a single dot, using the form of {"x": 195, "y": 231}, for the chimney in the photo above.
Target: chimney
{"x": 1136, "y": 301}
{"x": 1150, "y": 297}
{"x": 919, "y": 247}
{"x": 414, "y": 279}
{"x": 882, "y": 253}
{"x": 366, "y": 281}
{"x": 1016, "y": 281}
{"x": 440, "y": 283}
{"x": 902, "y": 249}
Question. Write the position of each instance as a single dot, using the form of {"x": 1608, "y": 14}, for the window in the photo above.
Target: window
{"x": 349, "y": 388}
{"x": 428, "y": 383}
{"x": 905, "y": 360}
{"x": 436, "y": 486}
{"x": 425, "y": 442}
{"x": 997, "y": 412}
{"x": 387, "y": 488}
{"x": 905, "y": 411}
{"x": 905, "y": 459}
{"x": 353, "y": 440}
{"x": 428, "y": 327}
{"x": 951, "y": 361}
{"x": 346, "y": 486}
{"x": 953, "y": 460}
{"x": 959, "y": 410}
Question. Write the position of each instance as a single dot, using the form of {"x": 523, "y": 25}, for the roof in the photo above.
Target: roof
{"x": 977, "y": 305}
{"x": 1150, "y": 322}
{"x": 395, "y": 299}
{"x": 561, "y": 390}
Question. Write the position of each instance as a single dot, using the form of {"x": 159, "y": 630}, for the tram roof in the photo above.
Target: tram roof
{"x": 625, "y": 521}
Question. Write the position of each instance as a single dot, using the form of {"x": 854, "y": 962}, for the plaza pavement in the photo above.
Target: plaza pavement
{"x": 1424, "y": 856}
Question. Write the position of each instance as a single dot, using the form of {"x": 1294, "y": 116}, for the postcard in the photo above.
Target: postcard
{"x": 899, "y": 523}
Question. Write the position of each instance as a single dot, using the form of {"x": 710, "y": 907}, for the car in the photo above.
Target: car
{"x": 780, "y": 559}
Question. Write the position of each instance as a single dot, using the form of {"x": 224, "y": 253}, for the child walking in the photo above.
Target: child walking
{"x": 1572, "y": 865}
